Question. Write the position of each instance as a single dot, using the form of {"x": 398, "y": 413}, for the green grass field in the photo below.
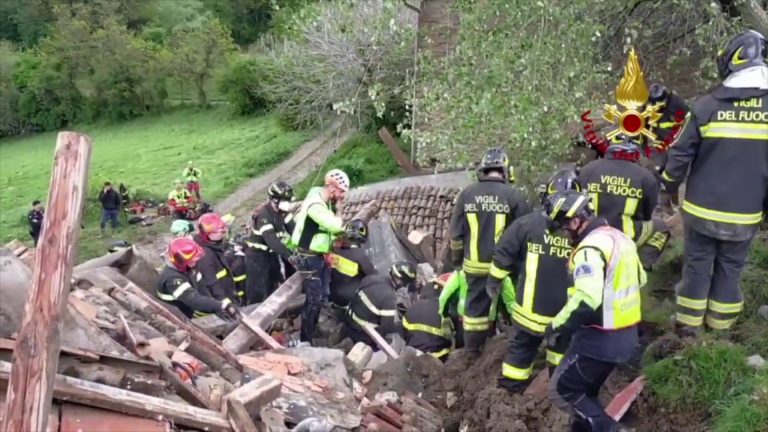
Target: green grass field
{"x": 146, "y": 154}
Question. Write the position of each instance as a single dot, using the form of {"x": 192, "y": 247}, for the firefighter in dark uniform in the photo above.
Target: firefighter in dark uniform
{"x": 481, "y": 213}
{"x": 537, "y": 261}
{"x": 349, "y": 264}
{"x": 725, "y": 142}
{"x": 424, "y": 328}
{"x": 181, "y": 284}
{"x": 673, "y": 110}
{"x": 600, "y": 318}
{"x": 375, "y": 304}
{"x": 626, "y": 194}
{"x": 267, "y": 243}
{"x": 215, "y": 265}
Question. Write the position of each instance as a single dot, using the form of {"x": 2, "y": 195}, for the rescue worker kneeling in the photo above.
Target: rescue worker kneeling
{"x": 375, "y": 304}
{"x": 181, "y": 284}
{"x": 349, "y": 264}
{"x": 215, "y": 265}
{"x": 602, "y": 314}
{"x": 424, "y": 329}
{"x": 537, "y": 261}
{"x": 625, "y": 194}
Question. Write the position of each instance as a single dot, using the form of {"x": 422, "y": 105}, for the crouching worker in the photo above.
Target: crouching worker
{"x": 375, "y": 304}
{"x": 349, "y": 264}
{"x": 424, "y": 328}
{"x": 181, "y": 284}
{"x": 181, "y": 202}
{"x": 216, "y": 264}
{"x": 182, "y": 228}
{"x": 537, "y": 260}
{"x": 602, "y": 314}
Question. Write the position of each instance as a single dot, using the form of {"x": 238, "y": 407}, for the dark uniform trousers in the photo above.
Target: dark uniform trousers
{"x": 263, "y": 270}
{"x": 518, "y": 363}
{"x": 476, "y": 322}
{"x": 711, "y": 274}
{"x": 316, "y": 290}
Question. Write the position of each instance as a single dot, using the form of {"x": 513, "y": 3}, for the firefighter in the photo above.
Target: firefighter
{"x": 424, "y": 328}
{"x": 673, "y": 110}
{"x": 724, "y": 141}
{"x": 182, "y": 228}
{"x": 349, "y": 264}
{"x": 481, "y": 213}
{"x": 267, "y": 243}
{"x": 181, "y": 284}
{"x": 375, "y": 303}
{"x": 600, "y": 319}
{"x": 192, "y": 175}
{"x": 625, "y": 193}
{"x": 215, "y": 265}
{"x": 316, "y": 226}
{"x": 181, "y": 202}
{"x": 537, "y": 261}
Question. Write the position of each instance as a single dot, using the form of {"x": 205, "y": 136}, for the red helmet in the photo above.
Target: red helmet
{"x": 210, "y": 223}
{"x": 184, "y": 253}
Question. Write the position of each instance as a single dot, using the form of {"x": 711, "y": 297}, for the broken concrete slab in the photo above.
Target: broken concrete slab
{"x": 377, "y": 360}
{"x": 360, "y": 355}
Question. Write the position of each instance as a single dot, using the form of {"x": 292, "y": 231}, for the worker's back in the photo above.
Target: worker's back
{"x": 422, "y": 326}
{"x": 374, "y": 303}
{"x": 349, "y": 267}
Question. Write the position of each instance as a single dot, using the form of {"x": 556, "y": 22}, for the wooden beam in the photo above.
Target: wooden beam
{"x": 257, "y": 393}
{"x": 380, "y": 341}
{"x": 36, "y": 356}
{"x": 203, "y": 346}
{"x": 239, "y": 418}
{"x": 9, "y": 345}
{"x": 260, "y": 333}
{"x": 241, "y": 338}
{"x": 214, "y": 325}
{"x": 400, "y": 157}
{"x": 183, "y": 388}
{"x": 123, "y": 401}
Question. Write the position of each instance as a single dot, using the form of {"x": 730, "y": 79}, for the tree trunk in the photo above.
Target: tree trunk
{"x": 202, "y": 98}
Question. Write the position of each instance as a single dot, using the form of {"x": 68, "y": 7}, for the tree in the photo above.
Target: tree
{"x": 197, "y": 50}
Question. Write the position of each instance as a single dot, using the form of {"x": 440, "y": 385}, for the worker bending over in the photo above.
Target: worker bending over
{"x": 316, "y": 227}
{"x": 181, "y": 202}
{"x": 215, "y": 265}
{"x": 349, "y": 264}
{"x": 181, "y": 284}
{"x": 601, "y": 316}
{"x": 625, "y": 194}
{"x": 536, "y": 260}
{"x": 267, "y": 243}
{"x": 482, "y": 212}
{"x": 375, "y": 304}
{"x": 724, "y": 142}
{"x": 424, "y": 328}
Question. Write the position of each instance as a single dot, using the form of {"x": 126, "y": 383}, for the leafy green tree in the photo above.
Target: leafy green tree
{"x": 198, "y": 49}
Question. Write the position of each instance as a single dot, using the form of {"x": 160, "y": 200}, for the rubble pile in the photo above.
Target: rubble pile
{"x": 129, "y": 361}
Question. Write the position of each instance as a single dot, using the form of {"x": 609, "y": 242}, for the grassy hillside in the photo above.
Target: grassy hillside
{"x": 147, "y": 155}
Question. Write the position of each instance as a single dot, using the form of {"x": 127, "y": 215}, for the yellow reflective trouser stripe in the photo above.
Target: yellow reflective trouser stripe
{"x": 719, "y": 324}
{"x": 718, "y": 216}
{"x": 441, "y": 353}
{"x": 689, "y": 319}
{"x": 756, "y": 131}
{"x": 437, "y": 331}
{"x": 197, "y": 314}
{"x": 371, "y": 307}
{"x": 691, "y": 303}
{"x": 475, "y": 323}
{"x": 725, "y": 307}
{"x": 165, "y": 297}
{"x": 473, "y": 237}
{"x": 667, "y": 177}
{"x": 497, "y": 272}
{"x": 238, "y": 278}
{"x": 515, "y": 373}
{"x": 554, "y": 358}
{"x": 529, "y": 323}
{"x": 361, "y": 321}
{"x": 221, "y": 274}
{"x": 501, "y": 220}
{"x": 628, "y": 225}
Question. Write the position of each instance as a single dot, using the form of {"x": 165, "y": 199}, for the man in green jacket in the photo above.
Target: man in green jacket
{"x": 316, "y": 226}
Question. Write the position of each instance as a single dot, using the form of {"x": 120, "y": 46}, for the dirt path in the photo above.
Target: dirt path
{"x": 293, "y": 170}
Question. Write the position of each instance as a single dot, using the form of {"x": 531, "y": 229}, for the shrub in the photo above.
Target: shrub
{"x": 343, "y": 57}
{"x": 243, "y": 84}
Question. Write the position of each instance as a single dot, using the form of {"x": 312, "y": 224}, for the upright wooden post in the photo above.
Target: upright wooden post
{"x": 36, "y": 356}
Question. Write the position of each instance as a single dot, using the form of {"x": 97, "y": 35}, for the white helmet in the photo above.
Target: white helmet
{"x": 337, "y": 178}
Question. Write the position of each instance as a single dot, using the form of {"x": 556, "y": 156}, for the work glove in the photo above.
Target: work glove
{"x": 447, "y": 326}
{"x": 493, "y": 287}
{"x": 230, "y": 311}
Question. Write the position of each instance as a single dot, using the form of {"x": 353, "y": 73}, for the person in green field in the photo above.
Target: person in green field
{"x": 192, "y": 176}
